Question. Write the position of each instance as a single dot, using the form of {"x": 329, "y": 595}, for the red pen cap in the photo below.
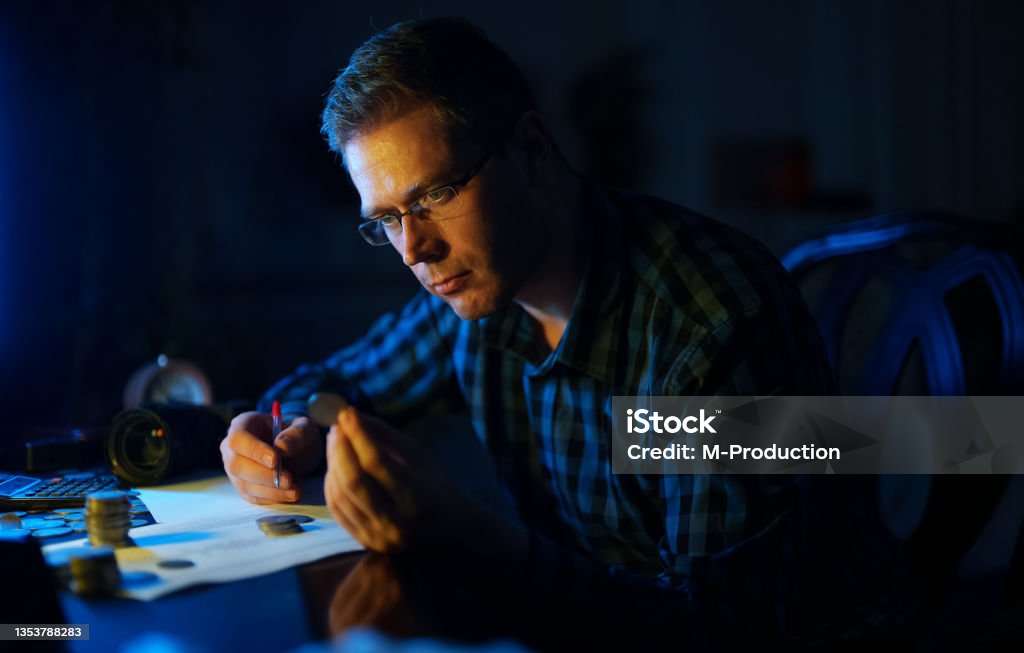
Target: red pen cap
{"x": 275, "y": 410}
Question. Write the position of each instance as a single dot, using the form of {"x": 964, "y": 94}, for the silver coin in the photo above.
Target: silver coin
{"x": 287, "y": 530}
{"x": 16, "y": 513}
{"x": 302, "y": 519}
{"x": 67, "y": 511}
{"x": 276, "y": 520}
{"x": 109, "y": 516}
{"x": 285, "y": 525}
{"x": 289, "y": 525}
{"x": 95, "y": 571}
{"x": 108, "y": 495}
{"x": 141, "y": 510}
{"x": 46, "y": 533}
{"x": 113, "y": 518}
{"x": 324, "y": 407}
{"x": 10, "y": 522}
{"x": 104, "y": 511}
{"x": 14, "y": 534}
{"x": 98, "y": 534}
{"x": 118, "y": 525}
{"x": 39, "y": 524}
{"x": 175, "y": 564}
{"x": 139, "y": 522}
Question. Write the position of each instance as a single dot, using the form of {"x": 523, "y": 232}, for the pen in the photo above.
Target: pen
{"x": 275, "y": 413}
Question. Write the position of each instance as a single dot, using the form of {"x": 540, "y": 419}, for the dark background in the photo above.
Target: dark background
{"x": 164, "y": 188}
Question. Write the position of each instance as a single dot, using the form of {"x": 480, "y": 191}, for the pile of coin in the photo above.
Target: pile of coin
{"x": 278, "y": 525}
{"x": 107, "y": 518}
{"x": 46, "y": 525}
{"x": 94, "y": 572}
{"x": 74, "y": 518}
{"x": 10, "y": 522}
{"x": 11, "y": 527}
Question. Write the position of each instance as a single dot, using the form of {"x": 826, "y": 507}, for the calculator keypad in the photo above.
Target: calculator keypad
{"x": 71, "y": 486}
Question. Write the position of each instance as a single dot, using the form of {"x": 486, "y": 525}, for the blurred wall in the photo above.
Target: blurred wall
{"x": 164, "y": 189}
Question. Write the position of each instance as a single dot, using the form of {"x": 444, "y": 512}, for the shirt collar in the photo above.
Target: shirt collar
{"x": 589, "y": 342}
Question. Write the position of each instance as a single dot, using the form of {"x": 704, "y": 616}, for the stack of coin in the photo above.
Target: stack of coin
{"x": 10, "y": 522}
{"x": 59, "y": 561}
{"x": 107, "y": 518}
{"x": 278, "y": 525}
{"x": 94, "y": 572}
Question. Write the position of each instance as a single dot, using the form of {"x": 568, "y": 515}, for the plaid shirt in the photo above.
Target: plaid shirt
{"x": 672, "y": 303}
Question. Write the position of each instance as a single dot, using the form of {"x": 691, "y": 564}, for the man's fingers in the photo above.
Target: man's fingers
{"x": 248, "y": 445}
{"x": 249, "y": 470}
{"x": 259, "y": 424}
{"x": 346, "y": 513}
{"x": 361, "y": 488}
{"x": 340, "y": 517}
{"x": 396, "y": 441}
{"x": 264, "y": 494}
{"x": 384, "y": 454}
{"x": 291, "y": 441}
{"x": 380, "y": 448}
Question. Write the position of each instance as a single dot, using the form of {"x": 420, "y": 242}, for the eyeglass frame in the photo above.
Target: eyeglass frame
{"x": 417, "y": 206}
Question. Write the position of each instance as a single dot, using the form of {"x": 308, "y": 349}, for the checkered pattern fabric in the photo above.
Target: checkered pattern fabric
{"x": 672, "y": 303}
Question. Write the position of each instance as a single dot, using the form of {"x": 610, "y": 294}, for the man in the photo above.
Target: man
{"x": 543, "y": 296}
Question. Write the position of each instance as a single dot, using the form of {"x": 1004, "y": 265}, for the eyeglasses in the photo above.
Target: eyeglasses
{"x": 441, "y": 203}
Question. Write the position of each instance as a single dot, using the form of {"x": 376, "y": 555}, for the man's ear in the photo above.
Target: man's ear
{"x": 532, "y": 141}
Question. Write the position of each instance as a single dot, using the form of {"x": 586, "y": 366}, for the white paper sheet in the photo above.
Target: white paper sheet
{"x": 206, "y": 522}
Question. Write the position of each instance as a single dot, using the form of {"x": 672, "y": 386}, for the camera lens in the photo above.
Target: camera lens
{"x": 147, "y": 445}
{"x": 138, "y": 447}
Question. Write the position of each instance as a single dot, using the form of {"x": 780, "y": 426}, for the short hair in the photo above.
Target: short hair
{"x": 446, "y": 64}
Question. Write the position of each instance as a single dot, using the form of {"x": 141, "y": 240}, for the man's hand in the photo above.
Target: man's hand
{"x": 375, "y": 595}
{"x": 250, "y": 458}
{"x": 383, "y": 489}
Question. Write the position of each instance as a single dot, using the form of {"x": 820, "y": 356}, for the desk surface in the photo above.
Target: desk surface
{"x": 403, "y": 598}
{"x": 256, "y": 614}
{"x": 314, "y": 602}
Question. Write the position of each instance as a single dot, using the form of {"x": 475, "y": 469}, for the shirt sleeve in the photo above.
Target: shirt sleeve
{"x": 401, "y": 369}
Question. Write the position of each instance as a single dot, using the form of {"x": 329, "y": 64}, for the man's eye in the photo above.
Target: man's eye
{"x": 387, "y": 220}
{"x": 441, "y": 195}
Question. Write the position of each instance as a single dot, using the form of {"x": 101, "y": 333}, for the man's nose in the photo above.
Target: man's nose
{"x": 419, "y": 241}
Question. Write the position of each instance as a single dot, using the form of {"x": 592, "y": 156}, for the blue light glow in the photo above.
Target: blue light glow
{"x": 844, "y": 243}
{"x": 922, "y": 316}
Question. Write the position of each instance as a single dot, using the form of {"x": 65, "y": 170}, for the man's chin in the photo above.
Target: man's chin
{"x": 470, "y": 308}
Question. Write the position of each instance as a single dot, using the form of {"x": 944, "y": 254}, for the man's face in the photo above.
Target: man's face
{"x": 476, "y": 261}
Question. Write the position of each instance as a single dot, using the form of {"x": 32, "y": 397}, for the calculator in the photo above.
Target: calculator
{"x": 59, "y": 491}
